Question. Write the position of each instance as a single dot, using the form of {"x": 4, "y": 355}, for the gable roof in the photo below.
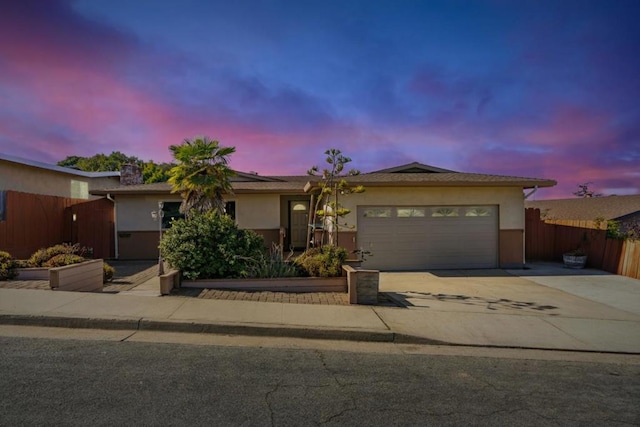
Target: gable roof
{"x": 414, "y": 167}
{"x": 55, "y": 168}
{"x": 420, "y": 175}
{"x": 609, "y": 207}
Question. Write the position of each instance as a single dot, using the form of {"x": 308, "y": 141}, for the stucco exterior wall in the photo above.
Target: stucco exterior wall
{"x": 510, "y": 200}
{"x": 257, "y": 211}
{"x": 253, "y": 211}
{"x": 29, "y": 179}
{"x": 133, "y": 213}
{"x": 138, "y": 232}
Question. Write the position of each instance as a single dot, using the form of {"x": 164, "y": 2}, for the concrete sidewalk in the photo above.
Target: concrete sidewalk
{"x": 497, "y": 310}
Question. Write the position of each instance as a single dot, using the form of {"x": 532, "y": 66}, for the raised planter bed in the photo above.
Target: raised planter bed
{"x": 363, "y": 285}
{"x": 38, "y": 273}
{"x": 169, "y": 281}
{"x": 82, "y": 277}
{"x": 284, "y": 284}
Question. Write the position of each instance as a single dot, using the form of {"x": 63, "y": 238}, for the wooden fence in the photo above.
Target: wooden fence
{"x": 34, "y": 221}
{"x": 547, "y": 241}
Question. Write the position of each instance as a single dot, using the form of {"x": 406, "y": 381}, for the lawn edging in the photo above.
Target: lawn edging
{"x": 280, "y": 284}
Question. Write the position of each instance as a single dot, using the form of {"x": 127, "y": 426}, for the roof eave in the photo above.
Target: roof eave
{"x": 523, "y": 184}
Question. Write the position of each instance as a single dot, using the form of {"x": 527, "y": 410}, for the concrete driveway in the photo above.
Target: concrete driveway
{"x": 545, "y": 307}
{"x": 542, "y": 290}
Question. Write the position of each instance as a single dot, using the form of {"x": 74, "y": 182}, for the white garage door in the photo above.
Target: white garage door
{"x": 428, "y": 237}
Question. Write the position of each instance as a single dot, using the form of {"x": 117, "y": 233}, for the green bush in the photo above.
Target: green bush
{"x": 107, "y": 272}
{"x": 41, "y": 256}
{"x": 63, "y": 259}
{"x": 208, "y": 246}
{"x": 271, "y": 266}
{"x": 7, "y": 266}
{"x": 22, "y": 263}
{"x": 323, "y": 262}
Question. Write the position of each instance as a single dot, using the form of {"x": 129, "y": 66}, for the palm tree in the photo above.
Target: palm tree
{"x": 201, "y": 175}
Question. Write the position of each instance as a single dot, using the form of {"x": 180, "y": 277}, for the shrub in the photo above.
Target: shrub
{"x": 22, "y": 263}
{"x": 41, "y": 256}
{"x": 323, "y": 262}
{"x": 107, "y": 272}
{"x": 271, "y": 266}
{"x": 7, "y": 266}
{"x": 208, "y": 246}
{"x": 63, "y": 259}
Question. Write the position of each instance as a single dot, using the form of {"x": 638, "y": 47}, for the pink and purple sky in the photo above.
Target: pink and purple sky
{"x": 545, "y": 88}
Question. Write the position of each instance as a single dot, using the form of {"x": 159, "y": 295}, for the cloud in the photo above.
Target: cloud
{"x": 535, "y": 91}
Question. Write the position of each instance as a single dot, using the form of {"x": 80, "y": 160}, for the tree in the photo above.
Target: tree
{"x": 151, "y": 171}
{"x": 155, "y": 172}
{"x": 70, "y": 161}
{"x": 332, "y": 185}
{"x": 100, "y": 162}
{"x": 201, "y": 175}
{"x": 585, "y": 192}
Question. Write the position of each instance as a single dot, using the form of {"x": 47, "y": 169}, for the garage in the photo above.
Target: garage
{"x": 428, "y": 237}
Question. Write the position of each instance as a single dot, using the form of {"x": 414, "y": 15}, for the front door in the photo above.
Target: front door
{"x": 298, "y": 222}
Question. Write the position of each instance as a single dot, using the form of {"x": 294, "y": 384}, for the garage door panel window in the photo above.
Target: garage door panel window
{"x": 477, "y": 211}
{"x": 377, "y": 213}
{"x": 442, "y": 212}
{"x": 410, "y": 212}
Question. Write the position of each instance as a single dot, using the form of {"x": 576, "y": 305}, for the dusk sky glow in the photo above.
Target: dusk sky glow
{"x": 543, "y": 89}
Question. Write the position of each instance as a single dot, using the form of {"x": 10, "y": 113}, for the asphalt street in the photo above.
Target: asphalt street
{"x": 63, "y": 381}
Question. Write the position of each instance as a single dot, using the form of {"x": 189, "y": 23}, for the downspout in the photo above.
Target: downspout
{"x": 115, "y": 226}
{"x": 524, "y": 237}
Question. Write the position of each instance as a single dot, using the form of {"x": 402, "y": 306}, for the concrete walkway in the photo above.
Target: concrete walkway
{"x": 479, "y": 308}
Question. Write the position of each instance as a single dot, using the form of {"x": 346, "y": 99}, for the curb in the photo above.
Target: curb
{"x": 69, "y": 322}
{"x": 194, "y": 327}
{"x": 283, "y": 331}
{"x": 271, "y": 331}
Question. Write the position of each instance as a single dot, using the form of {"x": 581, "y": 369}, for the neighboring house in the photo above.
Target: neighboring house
{"x": 43, "y": 205}
{"x": 624, "y": 209}
{"x": 28, "y": 176}
{"x": 410, "y": 217}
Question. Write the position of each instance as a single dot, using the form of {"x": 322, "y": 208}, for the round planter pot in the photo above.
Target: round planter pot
{"x": 574, "y": 261}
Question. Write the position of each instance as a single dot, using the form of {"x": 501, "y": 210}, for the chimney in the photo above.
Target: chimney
{"x": 130, "y": 174}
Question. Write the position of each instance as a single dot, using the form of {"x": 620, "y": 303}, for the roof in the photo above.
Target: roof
{"x": 414, "y": 167}
{"x": 278, "y": 187}
{"x": 609, "y": 207}
{"x": 55, "y": 168}
{"x": 409, "y": 175}
{"x": 447, "y": 179}
{"x": 420, "y": 175}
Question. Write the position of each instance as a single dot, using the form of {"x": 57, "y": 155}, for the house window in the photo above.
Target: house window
{"x": 377, "y": 213}
{"x": 171, "y": 211}
{"x": 3, "y": 205}
{"x": 79, "y": 189}
{"x": 230, "y": 209}
{"x": 410, "y": 212}
{"x": 300, "y": 206}
{"x": 444, "y": 212}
